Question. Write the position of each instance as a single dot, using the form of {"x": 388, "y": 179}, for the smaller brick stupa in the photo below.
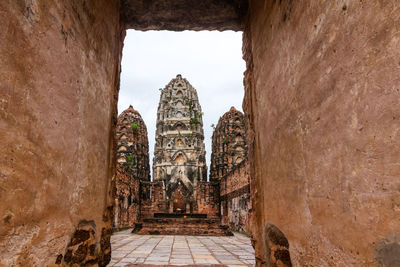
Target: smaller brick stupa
{"x": 229, "y": 166}
{"x": 132, "y": 167}
{"x": 229, "y": 147}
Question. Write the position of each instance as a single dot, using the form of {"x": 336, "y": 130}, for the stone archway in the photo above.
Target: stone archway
{"x": 320, "y": 99}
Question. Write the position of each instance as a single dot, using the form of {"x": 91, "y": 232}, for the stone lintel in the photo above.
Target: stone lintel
{"x": 180, "y": 15}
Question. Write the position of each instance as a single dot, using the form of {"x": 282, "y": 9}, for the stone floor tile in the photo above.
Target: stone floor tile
{"x": 222, "y": 252}
{"x": 181, "y": 261}
{"x": 128, "y": 260}
{"x": 200, "y": 251}
{"x": 205, "y": 261}
{"x": 231, "y": 262}
{"x": 155, "y": 258}
{"x": 249, "y": 262}
{"x": 137, "y": 254}
{"x": 239, "y": 252}
{"x": 140, "y": 260}
{"x": 130, "y": 248}
{"x": 156, "y": 262}
{"x": 246, "y": 257}
{"x": 119, "y": 254}
{"x": 181, "y": 256}
{"x": 203, "y": 256}
{"x": 226, "y": 257}
{"x": 124, "y": 248}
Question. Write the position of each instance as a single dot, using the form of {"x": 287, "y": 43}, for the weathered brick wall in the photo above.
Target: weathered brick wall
{"x": 126, "y": 198}
{"x": 59, "y": 76}
{"x": 153, "y": 199}
{"x": 157, "y": 214}
{"x": 322, "y": 95}
{"x": 236, "y": 208}
{"x": 208, "y": 199}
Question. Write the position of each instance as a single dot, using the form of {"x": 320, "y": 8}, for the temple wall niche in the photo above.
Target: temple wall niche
{"x": 322, "y": 91}
{"x": 60, "y": 65}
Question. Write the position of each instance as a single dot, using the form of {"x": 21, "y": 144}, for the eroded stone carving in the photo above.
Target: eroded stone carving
{"x": 179, "y": 153}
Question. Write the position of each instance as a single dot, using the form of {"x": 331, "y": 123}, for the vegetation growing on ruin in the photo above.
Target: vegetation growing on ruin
{"x": 135, "y": 128}
{"x": 129, "y": 162}
{"x": 193, "y": 115}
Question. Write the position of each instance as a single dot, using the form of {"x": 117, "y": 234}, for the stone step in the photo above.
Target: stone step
{"x": 165, "y": 226}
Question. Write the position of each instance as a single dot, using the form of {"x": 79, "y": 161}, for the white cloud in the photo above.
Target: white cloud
{"x": 211, "y": 61}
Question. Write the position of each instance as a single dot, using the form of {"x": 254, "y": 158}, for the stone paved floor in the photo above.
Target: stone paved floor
{"x": 130, "y": 248}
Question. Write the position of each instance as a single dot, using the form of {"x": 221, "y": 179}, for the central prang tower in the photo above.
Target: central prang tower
{"x": 179, "y": 153}
{"x": 179, "y": 200}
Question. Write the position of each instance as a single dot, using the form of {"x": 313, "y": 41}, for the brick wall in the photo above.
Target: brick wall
{"x": 126, "y": 201}
{"x": 153, "y": 199}
{"x": 322, "y": 96}
{"x": 236, "y": 207}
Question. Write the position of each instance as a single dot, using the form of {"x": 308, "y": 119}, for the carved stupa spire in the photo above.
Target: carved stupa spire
{"x": 229, "y": 146}
{"x": 179, "y": 153}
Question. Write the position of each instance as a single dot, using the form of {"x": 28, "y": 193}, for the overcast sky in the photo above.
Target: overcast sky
{"x": 211, "y": 61}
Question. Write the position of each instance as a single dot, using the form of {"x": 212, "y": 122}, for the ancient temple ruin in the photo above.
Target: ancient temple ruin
{"x": 179, "y": 200}
{"x": 229, "y": 147}
{"x": 230, "y": 168}
{"x": 179, "y": 152}
{"x": 132, "y": 167}
{"x": 321, "y": 91}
